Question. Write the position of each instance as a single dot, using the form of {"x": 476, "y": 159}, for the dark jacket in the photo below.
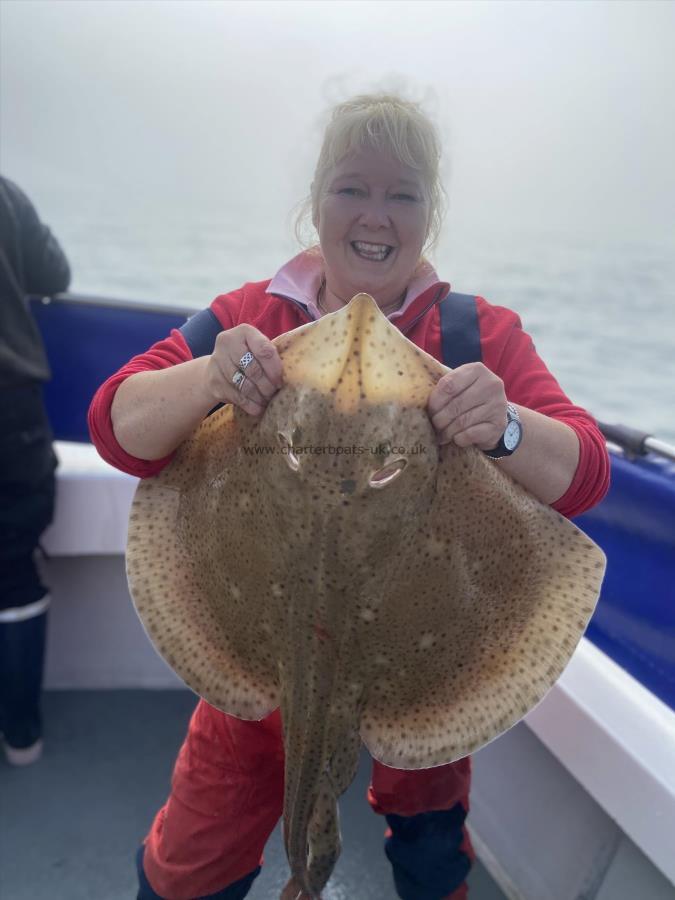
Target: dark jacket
{"x": 31, "y": 262}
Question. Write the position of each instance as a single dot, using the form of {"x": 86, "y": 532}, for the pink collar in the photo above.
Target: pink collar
{"x": 300, "y": 279}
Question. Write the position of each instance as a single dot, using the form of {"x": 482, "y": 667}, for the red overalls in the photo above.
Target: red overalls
{"x": 227, "y": 797}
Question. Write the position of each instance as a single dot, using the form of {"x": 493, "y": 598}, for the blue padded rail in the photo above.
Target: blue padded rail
{"x": 86, "y": 342}
{"x": 634, "y": 622}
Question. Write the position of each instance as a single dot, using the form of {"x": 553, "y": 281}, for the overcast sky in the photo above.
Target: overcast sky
{"x": 554, "y": 115}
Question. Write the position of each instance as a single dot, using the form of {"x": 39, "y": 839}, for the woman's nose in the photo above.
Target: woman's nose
{"x": 374, "y": 214}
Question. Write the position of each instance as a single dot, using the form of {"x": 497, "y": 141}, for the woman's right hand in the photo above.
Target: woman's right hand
{"x": 263, "y": 375}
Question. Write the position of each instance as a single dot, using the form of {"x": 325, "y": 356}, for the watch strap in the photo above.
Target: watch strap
{"x": 501, "y": 450}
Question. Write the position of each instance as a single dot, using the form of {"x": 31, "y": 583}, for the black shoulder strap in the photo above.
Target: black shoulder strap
{"x": 460, "y": 334}
{"x": 200, "y": 332}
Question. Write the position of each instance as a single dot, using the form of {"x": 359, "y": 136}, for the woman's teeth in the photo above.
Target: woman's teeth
{"x": 372, "y": 251}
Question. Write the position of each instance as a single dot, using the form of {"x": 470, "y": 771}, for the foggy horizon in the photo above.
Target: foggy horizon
{"x": 553, "y": 116}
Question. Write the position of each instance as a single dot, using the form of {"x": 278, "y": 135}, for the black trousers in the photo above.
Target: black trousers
{"x": 27, "y": 464}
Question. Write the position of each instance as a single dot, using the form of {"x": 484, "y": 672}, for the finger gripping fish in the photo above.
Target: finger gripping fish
{"x": 331, "y": 560}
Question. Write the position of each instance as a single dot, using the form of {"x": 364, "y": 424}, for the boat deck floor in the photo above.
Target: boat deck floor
{"x": 71, "y": 824}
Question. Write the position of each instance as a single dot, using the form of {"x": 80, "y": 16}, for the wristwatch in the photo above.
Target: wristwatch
{"x": 510, "y": 440}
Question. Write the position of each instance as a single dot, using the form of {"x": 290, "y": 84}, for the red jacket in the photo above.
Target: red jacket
{"x": 506, "y": 349}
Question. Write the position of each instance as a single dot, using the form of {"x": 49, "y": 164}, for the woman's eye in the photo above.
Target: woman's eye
{"x": 405, "y": 197}
{"x": 350, "y": 191}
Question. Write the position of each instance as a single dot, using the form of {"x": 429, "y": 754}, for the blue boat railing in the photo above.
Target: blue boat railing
{"x": 87, "y": 339}
{"x": 634, "y": 621}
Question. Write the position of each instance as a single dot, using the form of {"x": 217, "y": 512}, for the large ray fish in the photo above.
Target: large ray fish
{"x": 331, "y": 559}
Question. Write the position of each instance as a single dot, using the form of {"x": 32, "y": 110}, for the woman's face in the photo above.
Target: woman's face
{"x": 373, "y": 217}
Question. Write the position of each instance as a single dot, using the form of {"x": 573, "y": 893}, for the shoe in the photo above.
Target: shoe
{"x": 23, "y": 756}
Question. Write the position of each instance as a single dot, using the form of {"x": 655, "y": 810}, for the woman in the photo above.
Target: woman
{"x": 376, "y": 205}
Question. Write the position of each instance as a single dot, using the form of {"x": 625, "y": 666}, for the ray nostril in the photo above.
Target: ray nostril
{"x": 348, "y": 486}
{"x": 387, "y": 473}
{"x": 288, "y": 451}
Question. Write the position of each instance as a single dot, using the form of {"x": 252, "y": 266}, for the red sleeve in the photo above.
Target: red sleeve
{"x": 509, "y": 352}
{"x": 168, "y": 352}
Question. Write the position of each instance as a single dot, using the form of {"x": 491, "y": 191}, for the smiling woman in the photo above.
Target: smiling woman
{"x": 376, "y": 198}
{"x": 377, "y": 202}
{"x": 372, "y": 218}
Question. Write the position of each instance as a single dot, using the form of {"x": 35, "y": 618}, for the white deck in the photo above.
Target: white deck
{"x": 563, "y": 806}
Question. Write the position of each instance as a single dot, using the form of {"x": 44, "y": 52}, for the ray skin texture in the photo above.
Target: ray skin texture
{"x": 331, "y": 559}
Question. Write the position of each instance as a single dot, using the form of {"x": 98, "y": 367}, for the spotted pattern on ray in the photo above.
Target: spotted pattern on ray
{"x": 424, "y": 610}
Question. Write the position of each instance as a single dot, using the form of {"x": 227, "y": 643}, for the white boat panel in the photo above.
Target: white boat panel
{"x": 628, "y": 877}
{"x": 618, "y": 740}
{"x": 538, "y": 832}
{"x": 95, "y": 639}
{"x": 92, "y": 508}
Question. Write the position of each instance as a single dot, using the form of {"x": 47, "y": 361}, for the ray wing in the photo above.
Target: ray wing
{"x": 207, "y": 597}
{"x": 492, "y": 598}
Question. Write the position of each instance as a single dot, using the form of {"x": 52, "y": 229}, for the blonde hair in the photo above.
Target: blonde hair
{"x": 387, "y": 123}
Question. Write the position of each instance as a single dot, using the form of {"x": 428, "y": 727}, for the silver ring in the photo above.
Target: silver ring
{"x": 238, "y": 379}
{"x": 246, "y": 360}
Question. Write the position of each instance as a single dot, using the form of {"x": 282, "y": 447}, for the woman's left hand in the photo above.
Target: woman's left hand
{"x": 468, "y": 407}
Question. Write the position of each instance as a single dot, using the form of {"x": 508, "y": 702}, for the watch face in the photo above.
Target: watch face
{"x": 512, "y": 435}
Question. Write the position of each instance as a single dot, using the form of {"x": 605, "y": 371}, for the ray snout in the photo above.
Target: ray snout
{"x": 359, "y": 357}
